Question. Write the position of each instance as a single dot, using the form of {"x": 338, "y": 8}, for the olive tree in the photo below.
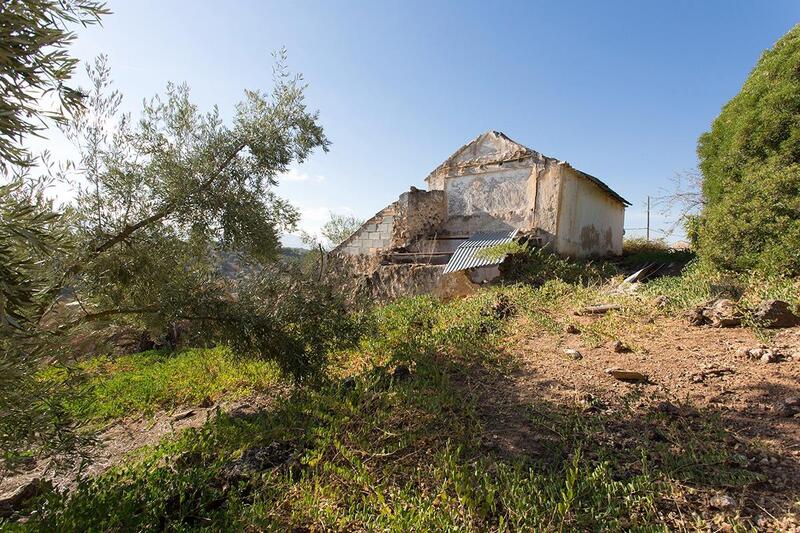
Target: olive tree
{"x": 36, "y": 67}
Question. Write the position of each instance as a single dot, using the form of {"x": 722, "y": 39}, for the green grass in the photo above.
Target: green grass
{"x": 389, "y": 454}
{"x": 146, "y": 382}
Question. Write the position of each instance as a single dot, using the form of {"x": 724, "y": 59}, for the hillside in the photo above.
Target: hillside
{"x": 493, "y": 412}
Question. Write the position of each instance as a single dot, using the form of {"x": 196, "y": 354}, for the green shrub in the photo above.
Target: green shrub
{"x": 751, "y": 166}
{"x": 537, "y": 265}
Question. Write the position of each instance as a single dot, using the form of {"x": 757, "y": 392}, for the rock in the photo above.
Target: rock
{"x": 627, "y": 375}
{"x": 723, "y": 502}
{"x": 573, "y": 354}
{"x": 776, "y": 314}
{"x": 12, "y": 502}
{"x": 723, "y": 313}
{"x": 598, "y": 309}
{"x": 591, "y": 403}
{"x": 571, "y": 329}
{"x": 401, "y": 373}
{"x": 661, "y": 301}
{"x": 769, "y": 356}
{"x": 182, "y": 415}
{"x": 760, "y": 353}
{"x": 257, "y": 459}
{"x": 619, "y": 347}
{"x": 668, "y": 408}
{"x": 695, "y": 316}
{"x": 788, "y": 407}
{"x": 206, "y": 402}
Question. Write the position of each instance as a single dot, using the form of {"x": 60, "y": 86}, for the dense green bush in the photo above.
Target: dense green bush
{"x": 751, "y": 166}
{"x": 536, "y": 266}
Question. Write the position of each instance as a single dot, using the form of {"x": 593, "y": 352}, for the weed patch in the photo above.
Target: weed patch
{"x": 149, "y": 381}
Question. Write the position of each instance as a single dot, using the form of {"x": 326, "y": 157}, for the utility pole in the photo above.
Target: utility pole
{"x": 648, "y": 218}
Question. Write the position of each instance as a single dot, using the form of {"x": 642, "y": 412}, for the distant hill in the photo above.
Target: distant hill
{"x": 291, "y": 254}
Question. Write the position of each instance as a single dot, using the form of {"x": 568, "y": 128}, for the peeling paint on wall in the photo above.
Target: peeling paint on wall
{"x": 489, "y": 184}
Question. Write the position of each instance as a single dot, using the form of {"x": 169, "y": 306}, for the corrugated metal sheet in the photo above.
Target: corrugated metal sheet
{"x": 466, "y": 256}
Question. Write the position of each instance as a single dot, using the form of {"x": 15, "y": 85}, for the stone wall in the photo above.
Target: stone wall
{"x": 420, "y": 215}
{"x": 374, "y": 236}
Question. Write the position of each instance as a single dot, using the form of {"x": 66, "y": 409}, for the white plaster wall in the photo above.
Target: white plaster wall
{"x": 495, "y": 200}
{"x": 546, "y": 192}
{"x": 590, "y": 222}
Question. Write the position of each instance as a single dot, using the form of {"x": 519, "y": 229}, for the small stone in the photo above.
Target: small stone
{"x": 769, "y": 357}
{"x": 182, "y": 415}
{"x": 661, "y": 301}
{"x": 743, "y": 352}
{"x": 723, "y": 502}
{"x": 573, "y": 354}
{"x": 668, "y": 408}
{"x": 788, "y": 407}
{"x": 571, "y": 329}
{"x": 619, "y": 347}
{"x": 627, "y": 375}
{"x": 206, "y": 402}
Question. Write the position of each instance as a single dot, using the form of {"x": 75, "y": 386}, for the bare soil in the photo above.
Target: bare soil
{"x": 692, "y": 372}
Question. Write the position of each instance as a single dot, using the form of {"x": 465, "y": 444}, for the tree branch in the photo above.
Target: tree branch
{"x": 165, "y": 211}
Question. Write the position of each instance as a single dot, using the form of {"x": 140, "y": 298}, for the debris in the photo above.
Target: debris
{"x": 776, "y": 314}
{"x": 788, "y": 407}
{"x": 12, "y": 502}
{"x": 598, "y": 309}
{"x": 182, "y": 415}
{"x": 723, "y": 502}
{"x": 722, "y": 313}
{"x": 619, "y": 347}
{"x": 760, "y": 353}
{"x": 502, "y": 308}
{"x": 574, "y": 354}
{"x": 627, "y": 375}
{"x": 206, "y": 402}
{"x": 633, "y": 278}
{"x": 572, "y": 329}
{"x": 695, "y": 316}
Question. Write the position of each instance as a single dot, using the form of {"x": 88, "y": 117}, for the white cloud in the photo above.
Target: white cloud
{"x": 295, "y": 174}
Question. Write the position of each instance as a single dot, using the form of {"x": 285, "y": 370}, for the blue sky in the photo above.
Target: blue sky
{"x": 619, "y": 89}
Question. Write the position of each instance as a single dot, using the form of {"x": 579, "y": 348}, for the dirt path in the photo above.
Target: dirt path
{"x": 121, "y": 438}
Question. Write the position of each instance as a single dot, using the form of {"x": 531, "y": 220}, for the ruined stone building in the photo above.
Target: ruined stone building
{"x": 491, "y": 190}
